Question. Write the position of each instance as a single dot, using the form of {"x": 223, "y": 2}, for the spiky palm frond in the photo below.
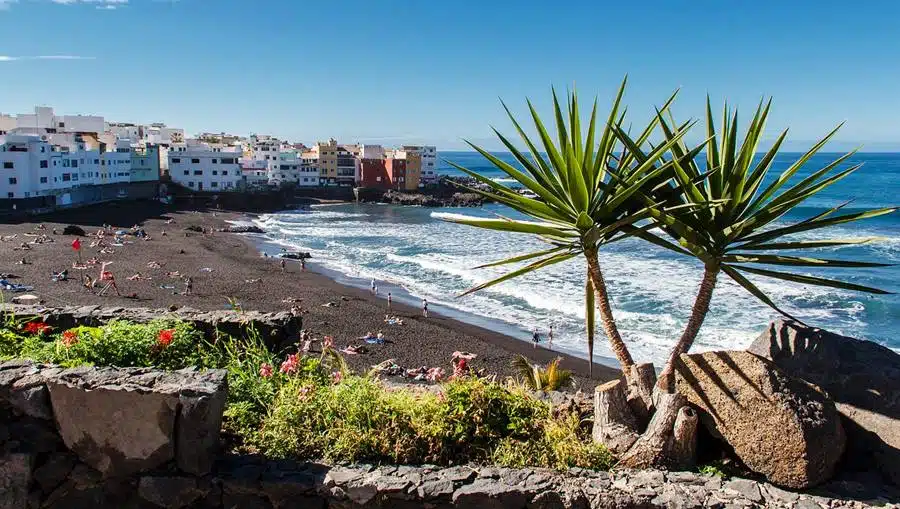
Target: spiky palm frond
{"x": 585, "y": 184}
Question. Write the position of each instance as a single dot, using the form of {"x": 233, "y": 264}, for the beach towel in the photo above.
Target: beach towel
{"x": 167, "y": 287}
{"x": 13, "y": 287}
{"x": 375, "y": 341}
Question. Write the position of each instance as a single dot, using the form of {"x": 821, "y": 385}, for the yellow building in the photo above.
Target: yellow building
{"x": 326, "y": 161}
{"x": 413, "y": 171}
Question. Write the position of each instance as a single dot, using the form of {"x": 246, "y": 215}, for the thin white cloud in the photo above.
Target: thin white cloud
{"x": 104, "y": 4}
{"x": 7, "y": 58}
{"x": 4, "y": 4}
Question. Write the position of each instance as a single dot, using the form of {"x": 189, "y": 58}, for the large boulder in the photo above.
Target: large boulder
{"x": 862, "y": 377}
{"x": 124, "y": 421}
{"x": 783, "y": 428}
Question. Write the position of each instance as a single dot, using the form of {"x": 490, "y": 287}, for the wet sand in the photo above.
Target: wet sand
{"x": 240, "y": 272}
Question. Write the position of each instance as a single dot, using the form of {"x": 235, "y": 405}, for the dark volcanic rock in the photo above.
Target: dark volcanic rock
{"x": 782, "y": 428}
{"x": 862, "y": 377}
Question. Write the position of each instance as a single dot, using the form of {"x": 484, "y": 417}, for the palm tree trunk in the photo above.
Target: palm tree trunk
{"x": 698, "y": 314}
{"x": 606, "y": 316}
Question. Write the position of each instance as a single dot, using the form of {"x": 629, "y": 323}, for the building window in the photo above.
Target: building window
{"x": 176, "y": 160}
{"x": 215, "y": 161}
{"x": 96, "y": 161}
{"x": 74, "y": 176}
{"x": 66, "y": 177}
{"x": 198, "y": 172}
{"x": 215, "y": 184}
{"x": 9, "y": 195}
{"x": 43, "y": 180}
{"x": 190, "y": 184}
{"x": 12, "y": 181}
{"x": 7, "y": 165}
{"x": 215, "y": 172}
{"x": 74, "y": 163}
{"x": 195, "y": 161}
{"x": 224, "y": 173}
{"x": 187, "y": 172}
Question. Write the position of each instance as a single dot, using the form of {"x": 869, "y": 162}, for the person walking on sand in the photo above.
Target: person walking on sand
{"x": 282, "y": 263}
{"x": 535, "y": 337}
{"x": 550, "y": 338}
{"x": 425, "y": 308}
{"x": 302, "y": 264}
{"x": 188, "y": 285}
{"x": 374, "y": 289}
{"x": 390, "y": 302}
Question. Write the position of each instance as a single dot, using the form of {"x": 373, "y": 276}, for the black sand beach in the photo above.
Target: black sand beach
{"x": 239, "y": 272}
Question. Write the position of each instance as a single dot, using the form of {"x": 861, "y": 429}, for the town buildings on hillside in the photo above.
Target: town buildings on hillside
{"x": 50, "y": 160}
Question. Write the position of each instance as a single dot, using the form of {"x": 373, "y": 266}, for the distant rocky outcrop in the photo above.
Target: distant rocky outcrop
{"x": 862, "y": 377}
{"x": 241, "y": 228}
{"x": 74, "y": 230}
{"x": 781, "y": 427}
{"x": 428, "y": 200}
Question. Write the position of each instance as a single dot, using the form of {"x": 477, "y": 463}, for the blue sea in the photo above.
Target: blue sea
{"x": 406, "y": 249}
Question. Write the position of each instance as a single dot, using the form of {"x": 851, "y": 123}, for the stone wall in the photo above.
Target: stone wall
{"x": 139, "y": 438}
{"x": 276, "y": 329}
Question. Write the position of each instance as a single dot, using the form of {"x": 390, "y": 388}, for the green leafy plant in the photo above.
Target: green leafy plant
{"x": 585, "y": 185}
{"x": 535, "y": 377}
{"x": 735, "y": 235}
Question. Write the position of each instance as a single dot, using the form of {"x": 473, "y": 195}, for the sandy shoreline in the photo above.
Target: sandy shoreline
{"x": 239, "y": 272}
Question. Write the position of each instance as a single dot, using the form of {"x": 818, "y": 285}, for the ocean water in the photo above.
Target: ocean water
{"x": 652, "y": 289}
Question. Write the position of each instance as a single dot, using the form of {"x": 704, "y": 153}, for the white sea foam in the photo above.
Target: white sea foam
{"x": 652, "y": 291}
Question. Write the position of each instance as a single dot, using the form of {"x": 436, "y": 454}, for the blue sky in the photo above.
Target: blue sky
{"x": 432, "y": 71}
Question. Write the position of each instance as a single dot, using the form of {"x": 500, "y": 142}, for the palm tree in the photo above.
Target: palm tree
{"x": 585, "y": 192}
{"x": 537, "y": 378}
{"x": 738, "y": 228}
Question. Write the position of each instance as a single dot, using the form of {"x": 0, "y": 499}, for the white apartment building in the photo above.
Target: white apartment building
{"x": 43, "y": 118}
{"x": 429, "y": 161}
{"x": 371, "y": 152}
{"x": 268, "y": 149}
{"x": 254, "y": 172}
{"x": 206, "y": 166}
{"x": 34, "y": 166}
{"x": 294, "y": 167}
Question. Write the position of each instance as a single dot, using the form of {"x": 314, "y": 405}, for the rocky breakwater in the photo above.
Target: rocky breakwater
{"x": 276, "y": 329}
{"x": 427, "y": 200}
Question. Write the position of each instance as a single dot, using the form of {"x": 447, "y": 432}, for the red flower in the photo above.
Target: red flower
{"x": 166, "y": 336}
{"x": 290, "y": 364}
{"x": 69, "y": 338}
{"x": 37, "y": 327}
{"x": 265, "y": 370}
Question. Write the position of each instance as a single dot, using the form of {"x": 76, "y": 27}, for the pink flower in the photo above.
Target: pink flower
{"x": 69, "y": 338}
{"x": 265, "y": 370}
{"x": 290, "y": 364}
{"x": 328, "y": 342}
{"x": 336, "y": 377}
{"x": 165, "y": 337}
{"x": 305, "y": 392}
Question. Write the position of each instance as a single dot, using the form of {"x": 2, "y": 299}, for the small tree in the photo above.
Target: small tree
{"x": 585, "y": 199}
{"x": 736, "y": 230}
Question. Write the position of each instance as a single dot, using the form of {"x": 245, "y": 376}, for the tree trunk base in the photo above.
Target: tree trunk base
{"x": 670, "y": 437}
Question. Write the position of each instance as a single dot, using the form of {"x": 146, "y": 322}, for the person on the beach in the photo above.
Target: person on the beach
{"x": 374, "y": 288}
{"x": 425, "y": 308}
{"x": 535, "y": 337}
{"x": 282, "y": 263}
{"x": 550, "y": 338}
{"x": 302, "y": 264}
{"x": 390, "y": 308}
{"x": 188, "y": 285}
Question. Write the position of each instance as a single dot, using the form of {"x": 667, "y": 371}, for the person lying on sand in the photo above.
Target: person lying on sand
{"x": 252, "y": 281}
{"x": 60, "y": 276}
{"x": 153, "y": 265}
{"x": 23, "y": 261}
{"x": 173, "y": 274}
{"x": 354, "y": 350}
{"x": 8, "y": 238}
{"x": 107, "y": 250}
{"x": 22, "y": 247}
{"x": 137, "y": 276}
{"x": 93, "y": 261}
